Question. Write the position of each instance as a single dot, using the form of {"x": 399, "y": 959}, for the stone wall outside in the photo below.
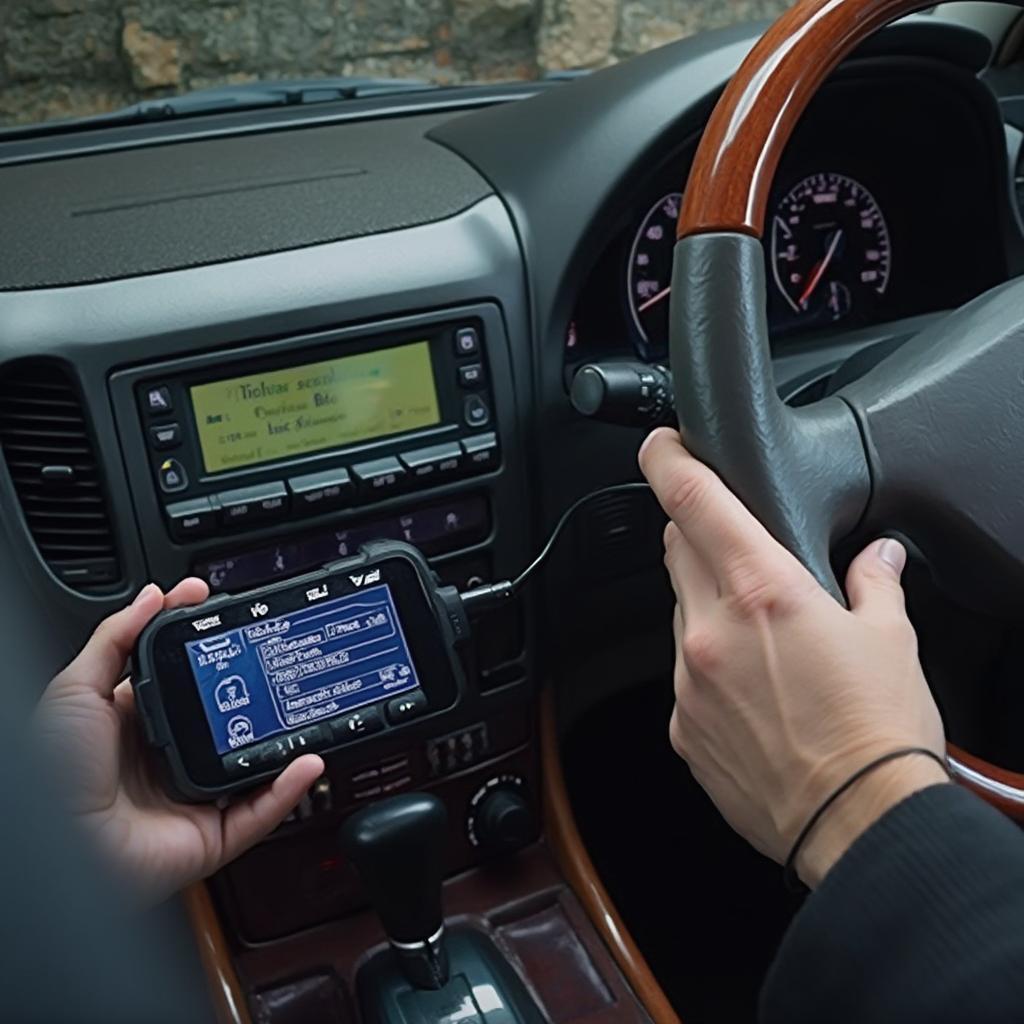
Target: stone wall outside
{"x": 62, "y": 58}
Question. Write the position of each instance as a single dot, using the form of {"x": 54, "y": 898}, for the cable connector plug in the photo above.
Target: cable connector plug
{"x": 488, "y": 595}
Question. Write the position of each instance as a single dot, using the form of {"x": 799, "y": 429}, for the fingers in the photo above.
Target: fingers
{"x": 873, "y": 581}
{"x": 712, "y": 519}
{"x": 101, "y": 663}
{"x": 247, "y": 822}
{"x": 189, "y": 591}
{"x": 693, "y": 582}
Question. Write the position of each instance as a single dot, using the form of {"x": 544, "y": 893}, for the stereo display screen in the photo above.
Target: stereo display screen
{"x": 281, "y": 413}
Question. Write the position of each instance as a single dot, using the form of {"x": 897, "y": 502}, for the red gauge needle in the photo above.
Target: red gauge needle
{"x": 654, "y": 299}
{"x": 819, "y": 270}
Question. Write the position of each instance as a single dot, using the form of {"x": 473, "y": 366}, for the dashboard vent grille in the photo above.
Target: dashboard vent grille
{"x": 620, "y": 534}
{"x": 51, "y": 457}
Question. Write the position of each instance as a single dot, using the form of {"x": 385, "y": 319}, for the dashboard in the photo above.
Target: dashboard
{"x": 877, "y": 202}
{"x": 243, "y": 345}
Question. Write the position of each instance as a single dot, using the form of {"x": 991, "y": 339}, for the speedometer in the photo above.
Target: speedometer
{"x": 830, "y": 252}
{"x": 649, "y": 276}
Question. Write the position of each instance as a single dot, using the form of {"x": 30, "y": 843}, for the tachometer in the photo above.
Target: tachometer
{"x": 830, "y": 252}
{"x": 649, "y": 276}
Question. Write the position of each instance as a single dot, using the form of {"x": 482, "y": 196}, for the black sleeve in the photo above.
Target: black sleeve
{"x": 921, "y": 920}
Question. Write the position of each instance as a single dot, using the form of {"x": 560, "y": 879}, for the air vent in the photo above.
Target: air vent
{"x": 52, "y": 460}
{"x": 619, "y": 534}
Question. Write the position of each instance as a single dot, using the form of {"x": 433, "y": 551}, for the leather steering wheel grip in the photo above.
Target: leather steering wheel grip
{"x": 802, "y": 472}
{"x": 809, "y": 474}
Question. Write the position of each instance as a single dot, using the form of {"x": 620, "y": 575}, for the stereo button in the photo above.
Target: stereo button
{"x": 379, "y": 478}
{"x": 318, "y": 492}
{"x": 253, "y": 504}
{"x": 471, "y": 376}
{"x": 475, "y": 412}
{"x": 467, "y": 342}
{"x": 434, "y": 464}
{"x": 481, "y": 451}
{"x": 167, "y": 435}
{"x": 173, "y": 477}
{"x": 188, "y": 519}
{"x": 158, "y": 401}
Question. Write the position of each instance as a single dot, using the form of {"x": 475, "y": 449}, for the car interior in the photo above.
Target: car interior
{"x": 180, "y": 293}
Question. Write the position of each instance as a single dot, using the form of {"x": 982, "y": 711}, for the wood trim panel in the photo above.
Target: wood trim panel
{"x": 736, "y": 161}
{"x": 564, "y": 840}
{"x": 225, "y": 989}
{"x": 998, "y": 786}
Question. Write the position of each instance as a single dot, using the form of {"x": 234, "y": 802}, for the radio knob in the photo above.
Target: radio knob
{"x": 501, "y": 818}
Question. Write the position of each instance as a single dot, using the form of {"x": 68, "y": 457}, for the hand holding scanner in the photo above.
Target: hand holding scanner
{"x": 231, "y": 690}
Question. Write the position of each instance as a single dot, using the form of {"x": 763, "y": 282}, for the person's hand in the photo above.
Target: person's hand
{"x": 781, "y": 693}
{"x": 87, "y": 720}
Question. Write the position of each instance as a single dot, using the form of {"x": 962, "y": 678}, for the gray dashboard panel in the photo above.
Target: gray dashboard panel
{"x": 102, "y": 327}
{"x": 561, "y": 162}
{"x": 110, "y": 215}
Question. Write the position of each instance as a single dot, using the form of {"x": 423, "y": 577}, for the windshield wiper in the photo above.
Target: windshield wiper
{"x": 226, "y": 99}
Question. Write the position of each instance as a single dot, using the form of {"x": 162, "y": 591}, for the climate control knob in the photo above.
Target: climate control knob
{"x": 501, "y": 817}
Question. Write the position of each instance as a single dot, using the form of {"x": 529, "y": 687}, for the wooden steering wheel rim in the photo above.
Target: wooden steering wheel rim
{"x": 748, "y": 130}
{"x": 734, "y": 168}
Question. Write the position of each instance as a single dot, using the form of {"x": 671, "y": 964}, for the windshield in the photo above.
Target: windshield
{"x": 75, "y": 58}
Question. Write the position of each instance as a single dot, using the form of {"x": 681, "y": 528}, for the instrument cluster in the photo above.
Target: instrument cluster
{"x": 883, "y": 207}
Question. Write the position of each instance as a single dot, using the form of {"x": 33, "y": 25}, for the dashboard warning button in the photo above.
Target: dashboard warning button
{"x": 172, "y": 476}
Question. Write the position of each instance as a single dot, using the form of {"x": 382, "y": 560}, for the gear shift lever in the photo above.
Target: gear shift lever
{"x": 397, "y": 846}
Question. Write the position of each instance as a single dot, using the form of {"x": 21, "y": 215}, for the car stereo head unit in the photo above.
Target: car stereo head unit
{"x": 231, "y": 690}
{"x": 261, "y": 435}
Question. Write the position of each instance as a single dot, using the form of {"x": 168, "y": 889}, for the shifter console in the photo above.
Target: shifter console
{"x": 427, "y": 977}
{"x": 397, "y": 847}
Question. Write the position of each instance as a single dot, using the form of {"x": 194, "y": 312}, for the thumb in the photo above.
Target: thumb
{"x": 873, "y": 581}
{"x": 100, "y": 664}
{"x": 248, "y": 821}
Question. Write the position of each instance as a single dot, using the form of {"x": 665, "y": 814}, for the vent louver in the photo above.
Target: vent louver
{"x": 51, "y": 457}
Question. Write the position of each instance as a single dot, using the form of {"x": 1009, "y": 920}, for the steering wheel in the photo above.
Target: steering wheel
{"x": 930, "y": 442}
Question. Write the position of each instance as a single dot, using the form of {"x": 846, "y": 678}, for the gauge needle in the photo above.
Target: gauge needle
{"x": 819, "y": 270}
{"x": 654, "y": 299}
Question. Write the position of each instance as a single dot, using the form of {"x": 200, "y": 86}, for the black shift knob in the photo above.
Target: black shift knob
{"x": 397, "y": 846}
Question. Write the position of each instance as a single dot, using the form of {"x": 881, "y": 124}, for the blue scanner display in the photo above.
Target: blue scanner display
{"x": 283, "y": 673}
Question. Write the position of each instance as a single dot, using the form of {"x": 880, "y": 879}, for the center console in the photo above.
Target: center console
{"x": 258, "y": 462}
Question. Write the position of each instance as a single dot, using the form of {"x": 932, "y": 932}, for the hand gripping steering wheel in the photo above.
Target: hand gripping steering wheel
{"x": 930, "y": 442}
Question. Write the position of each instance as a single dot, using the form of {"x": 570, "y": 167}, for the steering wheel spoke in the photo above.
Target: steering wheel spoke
{"x": 943, "y": 418}
{"x": 803, "y": 472}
